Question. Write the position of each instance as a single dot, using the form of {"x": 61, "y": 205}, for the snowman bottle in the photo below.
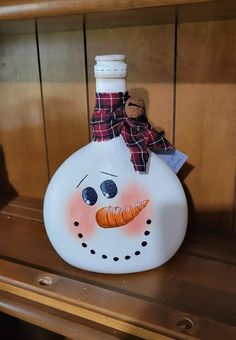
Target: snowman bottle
{"x": 114, "y": 206}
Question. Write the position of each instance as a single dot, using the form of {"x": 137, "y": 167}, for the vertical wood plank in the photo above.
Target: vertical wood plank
{"x": 21, "y": 123}
{"x": 150, "y": 57}
{"x": 205, "y": 117}
{"x": 64, "y": 93}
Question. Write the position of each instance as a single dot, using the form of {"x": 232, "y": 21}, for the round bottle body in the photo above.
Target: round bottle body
{"x": 98, "y": 176}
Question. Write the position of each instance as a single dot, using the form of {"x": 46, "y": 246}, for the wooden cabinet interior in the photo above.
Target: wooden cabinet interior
{"x": 185, "y": 71}
{"x": 182, "y": 61}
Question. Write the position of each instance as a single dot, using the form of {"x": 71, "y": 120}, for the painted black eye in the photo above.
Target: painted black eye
{"x": 89, "y": 196}
{"x": 109, "y": 188}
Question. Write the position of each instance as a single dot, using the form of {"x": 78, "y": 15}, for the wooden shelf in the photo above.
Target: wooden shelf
{"x": 191, "y": 286}
{"x": 186, "y": 51}
{"x": 56, "y": 321}
{"x": 30, "y": 9}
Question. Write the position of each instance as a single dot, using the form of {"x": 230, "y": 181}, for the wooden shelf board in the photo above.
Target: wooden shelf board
{"x": 203, "y": 243}
{"x": 197, "y": 283}
{"x": 54, "y": 320}
{"x": 157, "y": 14}
{"x": 31, "y": 9}
{"x": 126, "y": 313}
{"x": 80, "y": 299}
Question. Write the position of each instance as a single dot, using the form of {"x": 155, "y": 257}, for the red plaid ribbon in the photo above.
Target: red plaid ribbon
{"x": 109, "y": 120}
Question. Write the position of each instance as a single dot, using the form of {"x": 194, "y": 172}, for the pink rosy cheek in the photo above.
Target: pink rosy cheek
{"x": 134, "y": 193}
{"x": 81, "y": 217}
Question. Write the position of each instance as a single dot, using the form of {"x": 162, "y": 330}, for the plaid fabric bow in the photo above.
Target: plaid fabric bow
{"x": 109, "y": 120}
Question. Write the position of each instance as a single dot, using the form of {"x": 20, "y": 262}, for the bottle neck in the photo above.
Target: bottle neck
{"x": 110, "y": 85}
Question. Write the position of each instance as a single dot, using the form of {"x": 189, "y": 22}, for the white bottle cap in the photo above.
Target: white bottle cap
{"x": 110, "y": 66}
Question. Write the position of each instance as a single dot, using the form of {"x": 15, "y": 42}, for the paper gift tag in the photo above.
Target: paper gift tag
{"x": 175, "y": 159}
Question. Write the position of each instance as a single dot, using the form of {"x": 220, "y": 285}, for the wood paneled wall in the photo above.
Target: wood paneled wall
{"x": 62, "y": 62}
{"x": 206, "y": 117}
{"x": 22, "y": 142}
{"x": 185, "y": 73}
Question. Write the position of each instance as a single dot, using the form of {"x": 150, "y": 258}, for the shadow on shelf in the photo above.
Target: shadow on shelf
{"x": 13, "y": 328}
{"x": 7, "y": 190}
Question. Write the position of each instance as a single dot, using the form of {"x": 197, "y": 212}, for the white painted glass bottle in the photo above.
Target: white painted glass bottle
{"x": 102, "y": 215}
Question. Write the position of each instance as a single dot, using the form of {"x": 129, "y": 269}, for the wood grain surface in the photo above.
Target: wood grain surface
{"x": 64, "y": 93}
{"x": 27, "y": 9}
{"x": 107, "y": 307}
{"x": 80, "y": 299}
{"x": 182, "y": 284}
{"x": 44, "y": 118}
{"x": 150, "y": 57}
{"x": 56, "y": 321}
{"x": 207, "y": 11}
{"x": 205, "y": 118}
{"x": 23, "y": 153}
{"x": 135, "y": 17}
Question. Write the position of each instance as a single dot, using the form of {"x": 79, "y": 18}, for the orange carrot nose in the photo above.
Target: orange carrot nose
{"x": 112, "y": 217}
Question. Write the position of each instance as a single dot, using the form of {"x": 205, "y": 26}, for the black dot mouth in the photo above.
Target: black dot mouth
{"x": 115, "y": 258}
